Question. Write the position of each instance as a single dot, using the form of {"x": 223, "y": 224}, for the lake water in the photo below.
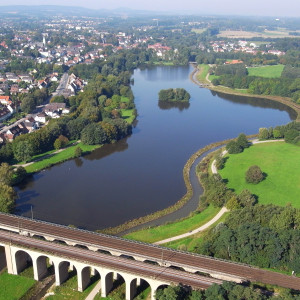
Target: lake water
{"x": 143, "y": 173}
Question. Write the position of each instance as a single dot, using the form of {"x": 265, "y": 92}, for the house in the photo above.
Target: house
{"x": 41, "y": 118}
{"x": 54, "y": 110}
{"x": 5, "y": 100}
{"x": 14, "y": 89}
{"x": 31, "y": 126}
{"x": 5, "y": 113}
{"x": 26, "y": 78}
{"x": 14, "y": 131}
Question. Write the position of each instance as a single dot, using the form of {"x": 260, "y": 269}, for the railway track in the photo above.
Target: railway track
{"x": 146, "y": 251}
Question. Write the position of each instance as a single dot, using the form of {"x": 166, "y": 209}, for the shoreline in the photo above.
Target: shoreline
{"x": 225, "y": 90}
{"x": 142, "y": 221}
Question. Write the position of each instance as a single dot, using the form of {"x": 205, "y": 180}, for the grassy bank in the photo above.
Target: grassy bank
{"x": 55, "y": 158}
{"x": 191, "y": 243}
{"x": 266, "y": 71}
{"x": 162, "y": 232}
{"x": 278, "y": 161}
{"x": 202, "y": 73}
{"x": 13, "y": 286}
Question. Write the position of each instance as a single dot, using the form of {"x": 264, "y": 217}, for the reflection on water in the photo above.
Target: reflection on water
{"x": 257, "y": 102}
{"x": 107, "y": 150}
{"x": 169, "y": 105}
{"x": 143, "y": 172}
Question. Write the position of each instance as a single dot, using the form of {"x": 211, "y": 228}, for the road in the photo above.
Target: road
{"x": 147, "y": 251}
{"x": 62, "y": 85}
{"x": 112, "y": 262}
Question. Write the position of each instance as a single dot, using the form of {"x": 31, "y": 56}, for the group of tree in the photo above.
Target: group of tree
{"x": 290, "y": 132}
{"x": 225, "y": 291}
{"x": 174, "y": 95}
{"x": 238, "y": 145}
{"x": 263, "y": 236}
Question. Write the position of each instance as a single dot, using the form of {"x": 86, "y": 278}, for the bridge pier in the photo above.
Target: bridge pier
{"x": 9, "y": 259}
{"x": 106, "y": 284}
{"x": 83, "y": 277}
{"x": 61, "y": 272}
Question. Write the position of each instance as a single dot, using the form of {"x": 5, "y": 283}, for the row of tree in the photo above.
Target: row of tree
{"x": 290, "y": 132}
{"x": 226, "y": 291}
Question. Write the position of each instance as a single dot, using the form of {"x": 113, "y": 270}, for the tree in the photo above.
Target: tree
{"x": 242, "y": 141}
{"x": 6, "y": 174}
{"x": 20, "y": 174}
{"x": 233, "y": 203}
{"x": 28, "y": 104}
{"x": 233, "y": 148}
{"x": 246, "y": 198}
{"x": 22, "y": 150}
{"x": 78, "y": 152}
{"x": 291, "y": 136}
{"x": 254, "y": 175}
{"x": 263, "y": 134}
{"x": 7, "y": 198}
{"x": 61, "y": 142}
{"x": 93, "y": 134}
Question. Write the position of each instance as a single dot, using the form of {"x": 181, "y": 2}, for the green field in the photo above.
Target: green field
{"x": 162, "y": 232}
{"x": 280, "y": 161}
{"x": 53, "y": 159}
{"x": 14, "y": 287}
{"x": 267, "y": 71}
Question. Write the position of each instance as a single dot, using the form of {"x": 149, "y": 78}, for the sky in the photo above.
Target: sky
{"x": 279, "y": 8}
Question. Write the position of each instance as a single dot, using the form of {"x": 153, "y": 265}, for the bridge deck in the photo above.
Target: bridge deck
{"x": 148, "y": 251}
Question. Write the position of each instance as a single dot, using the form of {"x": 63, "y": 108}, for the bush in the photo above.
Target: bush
{"x": 61, "y": 142}
{"x": 233, "y": 147}
{"x": 254, "y": 175}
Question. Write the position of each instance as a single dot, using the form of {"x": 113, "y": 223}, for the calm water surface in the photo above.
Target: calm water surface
{"x": 143, "y": 173}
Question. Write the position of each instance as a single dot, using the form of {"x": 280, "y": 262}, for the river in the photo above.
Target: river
{"x": 143, "y": 173}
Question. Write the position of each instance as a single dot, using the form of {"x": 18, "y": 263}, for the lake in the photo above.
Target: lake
{"x": 143, "y": 172}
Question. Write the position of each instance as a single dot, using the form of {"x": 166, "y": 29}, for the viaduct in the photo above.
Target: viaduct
{"x": 24, "y": 240}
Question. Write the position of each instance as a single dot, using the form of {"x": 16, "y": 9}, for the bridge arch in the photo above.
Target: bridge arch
{"x": 139, "y": 285}
{"x": 81, "y": 246}
{"x": 23, "y": 260}
{"x": 43, "y": 267}
{"x": 104, "y": 251}
{"x": 151, "y": 262}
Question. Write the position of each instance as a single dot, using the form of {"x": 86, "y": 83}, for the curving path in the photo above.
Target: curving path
{"x": 202, "y": 228}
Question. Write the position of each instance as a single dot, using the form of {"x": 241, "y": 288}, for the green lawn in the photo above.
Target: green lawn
{"x": 267, "y": 71}
{"x": 66, "y": 154}
{"x": 280, "y": 161}
{"x": 13, "y": 286}
{"x": 128, "y": 115}
{"x": 162, "y": 232}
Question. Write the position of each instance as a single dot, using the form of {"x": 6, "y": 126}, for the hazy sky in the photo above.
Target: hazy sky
{"x": 232, "y": 7}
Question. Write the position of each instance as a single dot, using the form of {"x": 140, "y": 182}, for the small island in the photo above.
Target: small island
{"x": 174, "y": 95}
